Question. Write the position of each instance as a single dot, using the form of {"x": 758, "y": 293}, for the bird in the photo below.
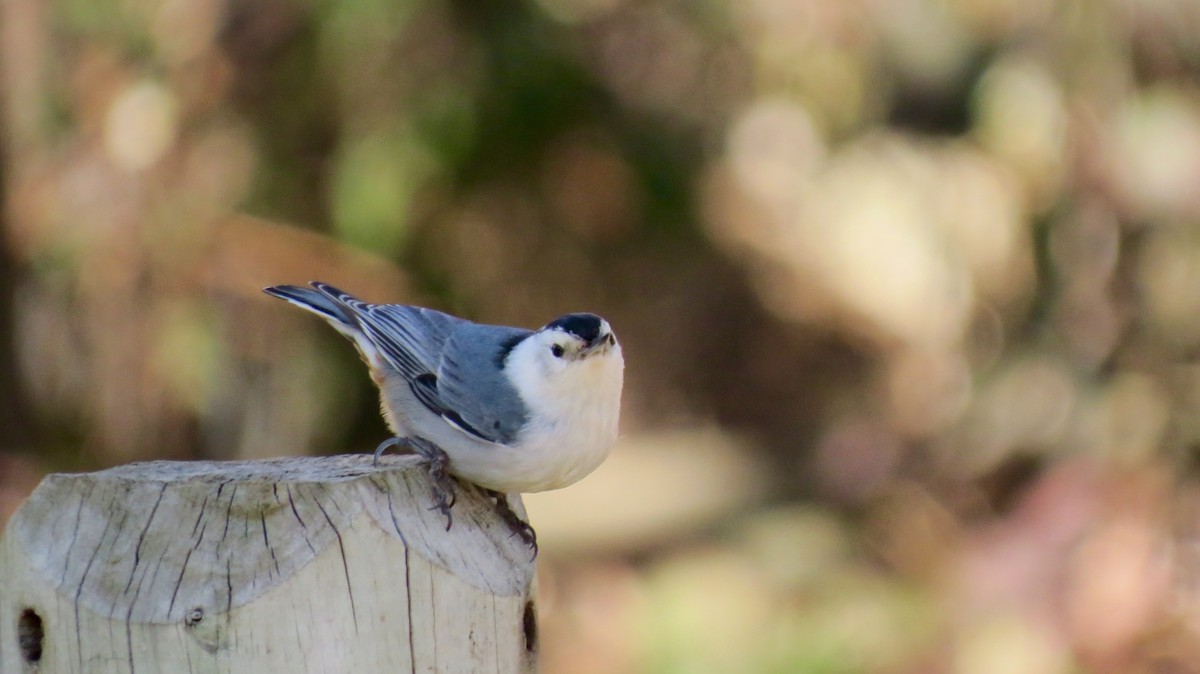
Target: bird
{"x": 508, "y": 409}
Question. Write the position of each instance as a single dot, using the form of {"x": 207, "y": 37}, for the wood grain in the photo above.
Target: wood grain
{"x": 300, "y": 564}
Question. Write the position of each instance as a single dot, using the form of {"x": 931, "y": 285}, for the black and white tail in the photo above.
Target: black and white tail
{"x": 334, "y": 306}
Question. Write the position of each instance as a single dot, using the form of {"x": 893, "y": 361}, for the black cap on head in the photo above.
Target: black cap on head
{"x": 584, "y": 326}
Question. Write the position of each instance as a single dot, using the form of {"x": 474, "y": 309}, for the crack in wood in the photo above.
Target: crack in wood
{"x": 137, "y": 550}
{"x": 408, "y": 607}
{"x": 395, "y": 524}
{"x": 74, "y": 536}
{"x": 345, "y": 566}
{"x": 179, "y": 581}
{"x": 200, "y": 514}
{"x": 305, "y": 536}
{"x": 79, "y": 590}
{"x": 129, "y": 641}
{"x": 228, "y": 510}
{"x": 262, "y": 517}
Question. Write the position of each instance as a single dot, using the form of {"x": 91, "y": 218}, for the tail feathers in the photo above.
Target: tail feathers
{"x": 337, "y": 309}
{"x": 339, "y": 297}
{"x": 317, "y": 302}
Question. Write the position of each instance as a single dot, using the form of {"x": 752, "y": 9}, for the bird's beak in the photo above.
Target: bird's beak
{"x": 601, "y": 343}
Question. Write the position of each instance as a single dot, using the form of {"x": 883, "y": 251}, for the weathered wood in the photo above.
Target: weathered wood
{"x": 286, "y": 565}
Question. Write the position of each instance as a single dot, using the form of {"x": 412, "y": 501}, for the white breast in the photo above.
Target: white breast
{"x": 573, "y": 418}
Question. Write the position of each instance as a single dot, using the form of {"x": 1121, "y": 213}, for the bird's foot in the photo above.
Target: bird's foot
{"x": 443, "y": 484}
{"x": 444, "y": 492}
{"x": 519, "y": 527}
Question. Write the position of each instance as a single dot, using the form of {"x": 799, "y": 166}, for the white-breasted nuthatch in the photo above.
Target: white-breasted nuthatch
{"x": 508, "y": 409}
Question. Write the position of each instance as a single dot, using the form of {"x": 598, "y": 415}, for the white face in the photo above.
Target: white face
{"x": 557, "y": 364}
{"x": 561, "y": 349}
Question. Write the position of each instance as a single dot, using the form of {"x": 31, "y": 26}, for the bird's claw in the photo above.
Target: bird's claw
{"x": 444, "y": 494}
{"x": 443, "y": 485}
{"x": 443, "y": 507}
{"x": 393, "y": 441}
{"x": 528, "y": 536}
{"x": 516, "y": 525}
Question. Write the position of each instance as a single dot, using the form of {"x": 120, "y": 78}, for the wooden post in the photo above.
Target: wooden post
{"x": 286, "y": 565}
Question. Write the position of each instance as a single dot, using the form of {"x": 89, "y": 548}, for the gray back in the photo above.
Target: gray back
{"x": 453, "y": 366}
{"x": 471, "y": 381}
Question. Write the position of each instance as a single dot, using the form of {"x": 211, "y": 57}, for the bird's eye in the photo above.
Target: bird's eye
{"x": 557, "y": 350}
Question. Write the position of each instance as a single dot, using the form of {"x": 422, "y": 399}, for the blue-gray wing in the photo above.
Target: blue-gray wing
{"x": 471, "y": 382}
{"x": 410, "y": 338}
{"x": 453, "y": 366}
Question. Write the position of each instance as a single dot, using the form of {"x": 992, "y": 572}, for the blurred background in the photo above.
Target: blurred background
{"x": 909, "y": 292}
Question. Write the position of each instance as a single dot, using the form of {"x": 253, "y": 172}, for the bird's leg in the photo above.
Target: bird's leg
{"x": 519, "y": 526}
{"x": 443, "y": 487}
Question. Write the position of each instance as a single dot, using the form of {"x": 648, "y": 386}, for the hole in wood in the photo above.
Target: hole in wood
{"x": 530, "y": 626}
{"x": 30, "y": 635}
{"x": 194, "y": 616}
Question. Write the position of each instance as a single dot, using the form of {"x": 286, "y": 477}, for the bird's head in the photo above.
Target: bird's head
{"x": 576, "y": 337}
{"x": 575, "y": 356}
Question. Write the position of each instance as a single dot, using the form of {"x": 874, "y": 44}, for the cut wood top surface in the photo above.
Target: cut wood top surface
{"x": 143, "y": 542}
